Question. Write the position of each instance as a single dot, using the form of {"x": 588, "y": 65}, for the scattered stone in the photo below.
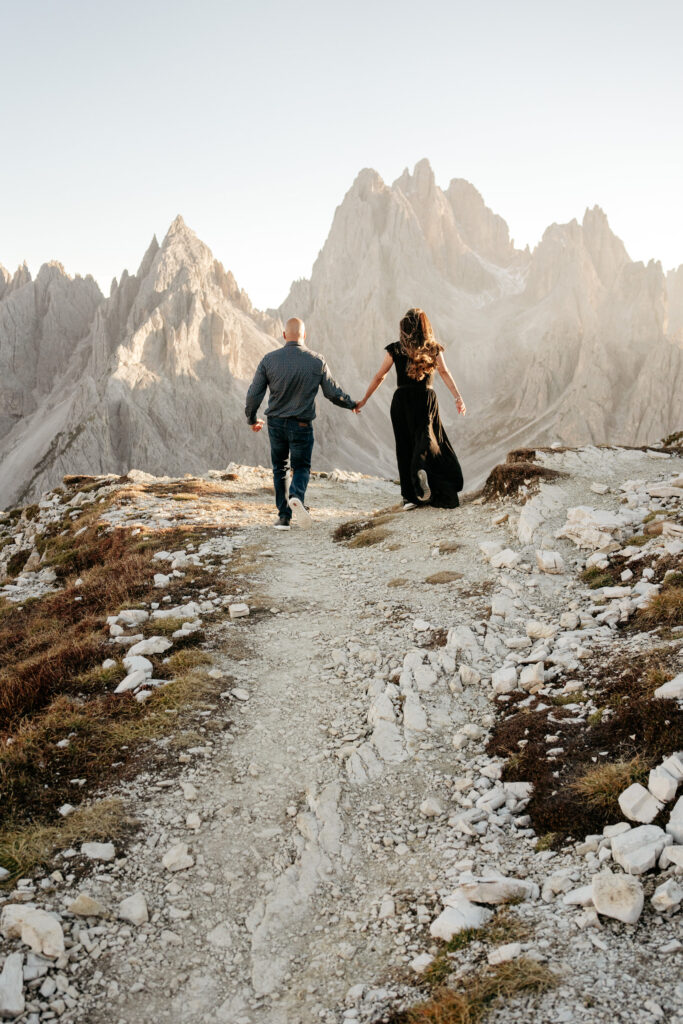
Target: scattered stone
{"x": 499, "y": 890}
{"x": 501, "y": 954}
{"x": 504, "y": 680}
{"x": 98, "y": 851}
{"x": 506, "y": 559}
{"x": 238, "y": 611}
{"x": 154, "y": 645}
{"x": 431, "y": 807}
{"x": 662, "y": 785}
{"x": 86, "y": 906}
{"x": 177, "y": 858}
{"x": 550, "y": 561}
{"x": 134, "y": 909}
{"x": 421, "y": 962}
{"x": 667, "y": 896}
{"x": 618, "y": 896}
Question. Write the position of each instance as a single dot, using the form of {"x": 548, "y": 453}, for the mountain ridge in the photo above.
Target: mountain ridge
{"x": 572, "y": 339}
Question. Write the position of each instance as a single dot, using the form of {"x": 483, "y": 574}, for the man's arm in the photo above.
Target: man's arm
{"x": 333, "y": 392}
{"x": 256, "y": 393}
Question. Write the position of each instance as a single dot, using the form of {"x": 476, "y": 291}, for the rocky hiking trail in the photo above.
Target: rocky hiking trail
{"x": 344, "y": 838}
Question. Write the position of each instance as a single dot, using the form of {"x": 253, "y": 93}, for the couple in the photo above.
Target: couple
{"x": 428, "y": 467}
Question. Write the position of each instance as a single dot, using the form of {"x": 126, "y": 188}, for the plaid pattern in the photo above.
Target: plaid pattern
{"x": 293, "y": 374}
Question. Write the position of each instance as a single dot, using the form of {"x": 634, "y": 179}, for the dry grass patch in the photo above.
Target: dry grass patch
{"x": 445, "y": 576}
{"x": 346, "y": 532}
{"x": 23, "y": 848}
{"x": 368, "y": 538}
{"x": 664, "y": 608}
{"x": 474, "y": 995}
{"x": 399, "y": 581}
{"x": 508, "y": 478}
{"x": 602, "y": 785}
{"x": 504, "y": 927}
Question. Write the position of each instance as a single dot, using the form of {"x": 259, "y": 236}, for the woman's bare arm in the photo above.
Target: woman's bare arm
{"x": 450, "y": 383}
{"x": 387, "y": 363}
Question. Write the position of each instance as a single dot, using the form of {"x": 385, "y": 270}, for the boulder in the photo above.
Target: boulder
{"x": 618, "y": 896}
{"x": 539, "y": 630}
{"x": 532, "y": 675}
{"x": 637, "y": 850}
{"x": 489, "y": 548}
{"x": 637, "y": 804}
{"x": 38, "y": 929}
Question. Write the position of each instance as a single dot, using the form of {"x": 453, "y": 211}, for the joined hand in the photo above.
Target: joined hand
{"x": 257, "y": 426}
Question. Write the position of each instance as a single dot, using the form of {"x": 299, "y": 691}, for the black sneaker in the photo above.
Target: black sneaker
{"x": 282, "y": 524}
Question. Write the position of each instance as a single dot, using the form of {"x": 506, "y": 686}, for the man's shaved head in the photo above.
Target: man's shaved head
{"x": 295, "y": 329}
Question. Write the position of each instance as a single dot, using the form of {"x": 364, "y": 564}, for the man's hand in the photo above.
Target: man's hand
{"x": 257, "y": 426}
{"x": 357, "y": 407}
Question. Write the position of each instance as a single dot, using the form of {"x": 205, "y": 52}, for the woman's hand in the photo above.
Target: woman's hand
{"x": 359, "y": 405}
{"x": 460, "y": 405}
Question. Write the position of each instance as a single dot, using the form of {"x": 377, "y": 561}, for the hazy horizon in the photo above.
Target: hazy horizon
{"x": 253, "y": 123}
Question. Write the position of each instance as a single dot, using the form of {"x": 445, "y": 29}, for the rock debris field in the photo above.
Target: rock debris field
{"x": 341, "y": 816}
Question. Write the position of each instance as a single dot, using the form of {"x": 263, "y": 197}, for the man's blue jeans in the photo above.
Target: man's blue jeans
{"x": 290, "y": 440}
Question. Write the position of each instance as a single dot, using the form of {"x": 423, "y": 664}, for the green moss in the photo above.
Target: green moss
{"x": 596, "y": 578}
{"x": 17, "y": 562}
{"x": 547, "y": 841}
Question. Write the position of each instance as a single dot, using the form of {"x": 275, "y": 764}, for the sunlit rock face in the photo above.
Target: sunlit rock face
{"x": 572, "y": 342}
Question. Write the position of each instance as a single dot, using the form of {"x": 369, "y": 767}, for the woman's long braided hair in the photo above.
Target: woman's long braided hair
{"x": 418, "y": 343}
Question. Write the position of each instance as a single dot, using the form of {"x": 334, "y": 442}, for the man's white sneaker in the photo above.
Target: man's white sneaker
{"x": 300, "y": 513}
{"x": 409, "y": 505}
{"x": 424, "y": 484}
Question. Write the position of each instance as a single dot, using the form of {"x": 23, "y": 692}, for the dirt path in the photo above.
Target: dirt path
{"x": 335, "y": 806}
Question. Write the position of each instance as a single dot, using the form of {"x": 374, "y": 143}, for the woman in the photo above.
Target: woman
{"x": 428, "y": 467}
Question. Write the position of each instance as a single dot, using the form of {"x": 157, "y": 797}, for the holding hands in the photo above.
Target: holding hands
{"x": 257, "y": 426}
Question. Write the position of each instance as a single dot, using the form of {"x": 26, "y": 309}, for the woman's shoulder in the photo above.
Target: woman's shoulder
{"x": 392, "y": 348}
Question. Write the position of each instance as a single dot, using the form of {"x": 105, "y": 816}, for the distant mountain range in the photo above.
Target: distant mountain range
{"x": 572, "y": 342}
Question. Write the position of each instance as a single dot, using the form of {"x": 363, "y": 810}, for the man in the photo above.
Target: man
{"x": 293, "y": 374}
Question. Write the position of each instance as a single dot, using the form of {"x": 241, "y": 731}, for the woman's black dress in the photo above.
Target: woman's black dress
{"x": 421, "y": 441}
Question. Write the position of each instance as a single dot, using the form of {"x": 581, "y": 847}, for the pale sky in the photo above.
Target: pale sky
{"x": 251, "y": 118}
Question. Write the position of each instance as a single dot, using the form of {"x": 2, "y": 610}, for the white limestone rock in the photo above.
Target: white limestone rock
{"x": 618, "y": 896}
{"x": 496, "y": 891}
{"x": 238, "y": 611}
{"x": 153, "y": 645}
{"x": 662, "y": 785}
{"x": 134, "y": 909}
{"x": 675, "y": 824}
{"x": 12, "y": 1002}
{"x": 503, "y": 954}
{"x": 667, "y": 896}
{"x": 550, "y": 561}
{"x": 489, "y": 548}
{"x": 85, "y": 906}
{"x": 637, "y": 804}
{"x": 671, "y": 690}
{"x": 458, "y": 915}
{"x": 178, "y": 858}
{"x": 504, "y": 680}
{"x": 38, "y": 929}
{"x": 506, "y": 559}
{"x": 431, "y": 807}
{"x": 637, "y": 850}
{"x": 99, "y": 851}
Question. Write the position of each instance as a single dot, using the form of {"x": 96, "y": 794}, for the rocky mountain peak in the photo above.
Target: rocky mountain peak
{"x": 421, "y": 182}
